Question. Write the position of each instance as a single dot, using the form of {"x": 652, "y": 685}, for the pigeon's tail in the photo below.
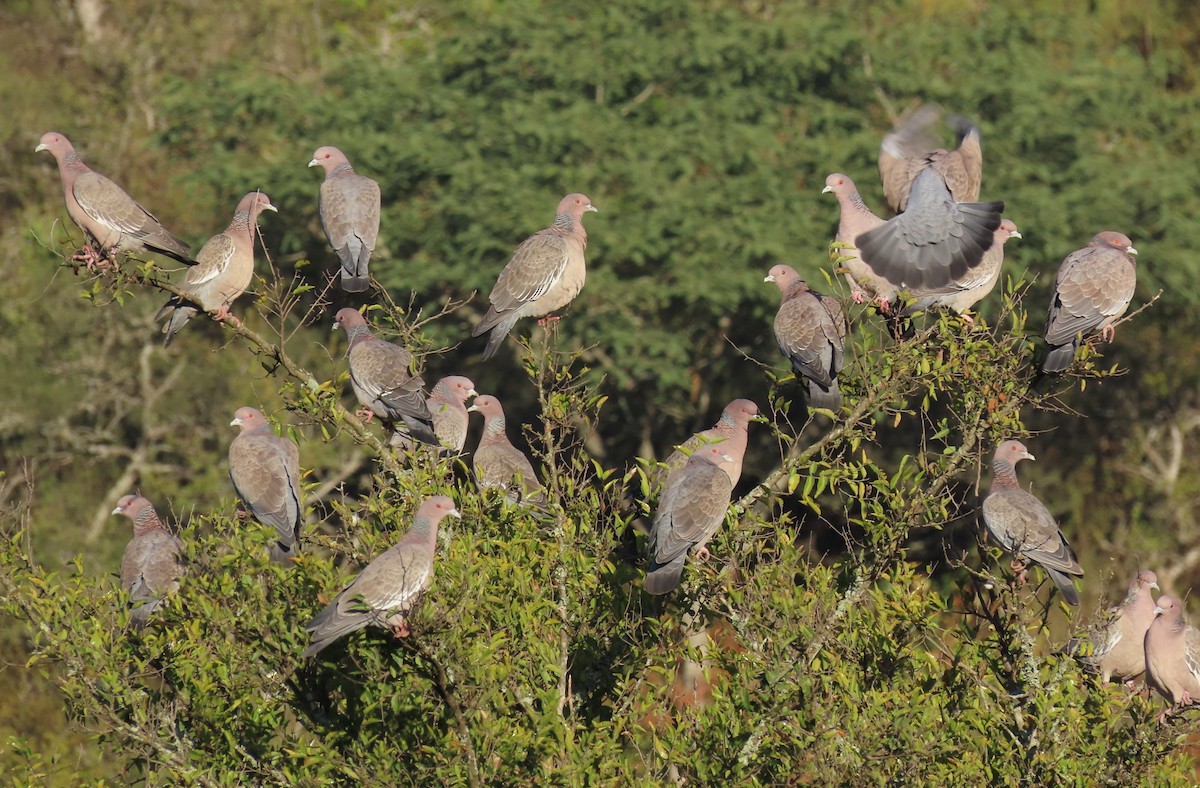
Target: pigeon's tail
{"x": 664, "y": 578}
{"x": 1065, "y": 585}
{"x": 821, "y": 397}
{"x": 1060, "y": 358}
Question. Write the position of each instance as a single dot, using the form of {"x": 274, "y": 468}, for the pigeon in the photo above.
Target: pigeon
{"x": 854, "y": 220}
{"x": 382, "y": 378}
{"x": 110, "y": 218}
{"x": 498, "y": 463}
{"x": 386, "y": 591}
{"x": 1118, "y": 645}
{"x": 222, "y": 272}
{"x": 936, "y": 241}
{"x": 448, "y": 409}
{"x": 349, "y": 205}
{"x": 912, "y": 148}
{"x": 965, "y": 293}
{"x": 1173, "y": 655}
{"x": 151, "y": 565}
{"x": 689, "y": 512}
{"x": 265, "y": 471}
{"x": 545, "y": 272}
{"x": 1023, "y": 526}
{"x": 730, "y": 433}
{"x": 1092, "y": 291}
{"x": 811, "y": 332}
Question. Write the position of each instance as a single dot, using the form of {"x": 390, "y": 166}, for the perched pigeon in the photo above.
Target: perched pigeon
{"x": 222, "y": 272}
{"x": 912, "y": 147}
{"x": 1092, "y": 291}
{"x": 150, "y": 567}
{"x": 265, "y": 471}
{"x": 962, "y": 294}
{"x": 448, "y": 409}
{"x": 936, "y": 241}
{"x": 382, "y": 378}
{"x": 447, "y": 406}
{"x": 498, "y": 463}
{"x": 1173, "y": 655}
{"x": 545, "y": 272}
{"x": 854, "y": 220}
{"x": 1022, "y": 524}
{"x": 1118, "y": 646}
{"x": 730, "y": 433}
{"x": 110, "y": 218}
{"x": 349, "y": 206}
{"x": 689, "y": 512}
{"x": 811, "y": 331}
{"x": 385, "y": 593}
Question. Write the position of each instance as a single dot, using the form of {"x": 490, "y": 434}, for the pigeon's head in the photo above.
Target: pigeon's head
{"x": 576, "y": 205}
{"x": 785, "y": 278}
{"x": 740, "y": 411}
{"x": 56, "y": 143}
{"x": 440, "y": 506}
{"x": 488, "y": 405}
{"x": 248, "y": 419}
{"x": 840, "y": 184}
{"x": 1114, "y": 240}
{"x": 255, "y": 203}
{"x": 714, "y": 454}
{"x": 1007, "y": 229}
{"x": 1012, "y": 452}
{"x": 349, "y": 318}
{"x": 130, "y": 506}
{"x": 1144, "y": 579}
{"x": 1169, "y": 608}
{"x": 459, "y": 387}
{"x": 328, "y": 158}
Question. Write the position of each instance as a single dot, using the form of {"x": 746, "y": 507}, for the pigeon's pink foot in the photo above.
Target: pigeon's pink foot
{"x": 401, "y": 630}
{"x": 702, "y": 554}
{"x": 1162, "y": 718}
{"x": 223, "y": 315}
{"x": 1108, "y": 334}
{"x": 1186, "y": 699}
{"x": 970, "y": 321}
{"x": 884, "y": 305}
{"x": 94, "y": 260}
{"x": 548, "y": 320}
{"x": 858, "y": 296}
{"x": 366, "y": 414}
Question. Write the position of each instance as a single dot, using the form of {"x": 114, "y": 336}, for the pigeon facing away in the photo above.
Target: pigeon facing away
{"x": 385, "y": 593}
{"x": 349, "y": 205}
{"x": 110, "y": 218}
{"x": 689, "y": 512}
{"x": 150, "y": 566}
{"x": 265, "y": 471}
{"x": 382, "y": 378}
{"x": 935, "y": 241}
{"x": 856, "y": 218}
{"x": 1119, "y": 645}
{"x": 912, "y": 147}
{"x": 811, "y": 332}
{"x": 730, "y": 433}
{"x": 1173, "y": 655}
{"x": 222, "y": 272}
{"x": 965, "y": 293}
{"x": 1092, "y": 291}
{"x": 544, "y": 274}
{"x": 1022, "y": 524}
{"x": 498, "y": 463}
